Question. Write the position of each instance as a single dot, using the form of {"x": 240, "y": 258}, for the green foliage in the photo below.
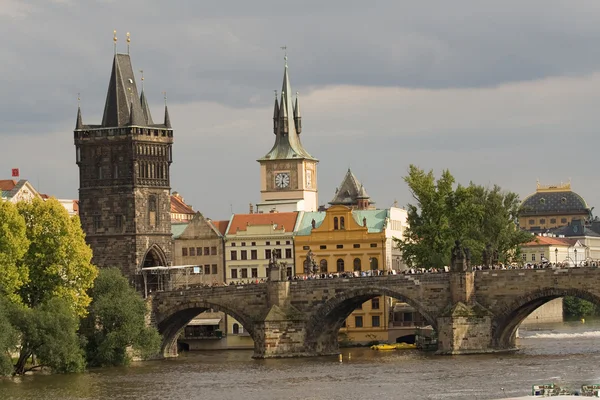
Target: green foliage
{"x": 58, "y": 259}
{"x": 472, "y": 214}
{"x": 13, "y": 246}
{"x": 9, "y": 338}
{"x": 49, "y": 331}
{"x": 575, "y": 307}
{"x": 116, "y": 322}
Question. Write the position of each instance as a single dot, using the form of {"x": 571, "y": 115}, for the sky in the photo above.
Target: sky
{"x": 498, "y": 92}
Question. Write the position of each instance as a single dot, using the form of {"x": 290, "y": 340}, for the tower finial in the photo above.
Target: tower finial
{"x": 142, "y": 72}
{"x": 284, "y": 48}
{"x": 78, "y": 99}
{"x": 115, "y": 40}
{"x": 165, "y": 96}
{"x": 128, "y": 41}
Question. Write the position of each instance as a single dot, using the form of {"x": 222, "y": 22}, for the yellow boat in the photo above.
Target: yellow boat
{"x": 395, "y": 346}
{"x": 383, "y": 347}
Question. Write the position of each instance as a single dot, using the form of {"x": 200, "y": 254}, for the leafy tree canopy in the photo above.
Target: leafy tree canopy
{"x": 49, "y": 331}
{"x": 116, "y": 322}
{"x": 9, "y": 338}
{"x": 444, "y": 212}
{"x": 13, "y": 246}
{"x": 58, "y": 259}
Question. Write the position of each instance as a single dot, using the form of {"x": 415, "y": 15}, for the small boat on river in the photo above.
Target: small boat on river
{"x": 395, "y": 346}
{"x": 552, "y": 390}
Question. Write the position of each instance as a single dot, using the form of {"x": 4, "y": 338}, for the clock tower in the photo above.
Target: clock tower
{"x": 288, "y": 172}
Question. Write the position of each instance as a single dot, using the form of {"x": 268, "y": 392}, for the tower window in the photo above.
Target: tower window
{"x": 152, "y": 212}
{"x": 100, "y": 172}
{"x": 335, "y": 223}
{"x": 342, "y": 225}
{"x": 118, "y": 221}
{"x": 116, "y": 171}
{"x": 78, "y": 154}
{"x": 97, "y": 223}
{"x": 340, "y": 265}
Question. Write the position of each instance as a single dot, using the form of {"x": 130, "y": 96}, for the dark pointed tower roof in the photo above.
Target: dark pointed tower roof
{"x": 167, "y": 118}
{"x": 350, "y": 190}
{"x": 287, "y": 142}
{"x": 136, "y": 118}
{"x": 79, "y": 122}
{"x": 145, "y": 108}
{"x": 121, "y": 92}
{"x": 297, "y": 108}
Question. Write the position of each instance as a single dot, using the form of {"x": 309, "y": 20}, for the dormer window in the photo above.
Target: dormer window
{"x": 335, "y": 223}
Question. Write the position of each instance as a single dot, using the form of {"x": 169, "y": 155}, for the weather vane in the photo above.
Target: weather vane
{"x": 142, "y": 72}
{"x": 78, "y": 99}
{"x": 284, "y": 48}
{"x": 115, "y": 40}
{"x": 165, "y": 96}
{"x": 128, "y": 41}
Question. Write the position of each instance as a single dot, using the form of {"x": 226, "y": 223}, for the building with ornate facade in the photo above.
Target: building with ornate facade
{"x": 288, "y": 173}
{"x": 552, "y": 206}
{"x": 124, "y": 179}
{"x": 341, "y": 240}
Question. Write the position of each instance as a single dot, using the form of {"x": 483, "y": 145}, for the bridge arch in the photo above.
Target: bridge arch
{"x": 325, "y": 321}
{"x": 173, "y": 319}
{"x": 506, "y": 323}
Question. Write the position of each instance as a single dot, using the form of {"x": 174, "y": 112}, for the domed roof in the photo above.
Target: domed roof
{"x": 554, "y": 199}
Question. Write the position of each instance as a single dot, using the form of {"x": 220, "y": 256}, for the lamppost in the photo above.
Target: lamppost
{"x": 575, "y": 251}
{"x": 556, "y": 256}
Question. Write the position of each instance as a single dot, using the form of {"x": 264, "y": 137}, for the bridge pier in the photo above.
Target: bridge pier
{"x": 465, "y": 327}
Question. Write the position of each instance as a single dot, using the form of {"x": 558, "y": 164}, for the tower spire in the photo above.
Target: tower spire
{"x": 79, "y": 122}
{"x": 297, "y": 116}
{"x": 167, "y": 118}
{"x": 275, "y": 114}
{"x": 144, "y": 103}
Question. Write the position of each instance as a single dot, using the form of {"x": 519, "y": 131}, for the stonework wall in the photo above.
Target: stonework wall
{"x": 464, "y": 335}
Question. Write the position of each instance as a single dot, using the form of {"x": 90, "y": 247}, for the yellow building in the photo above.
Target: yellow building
{"x": 343, "y": 240}
{"x": 552, "y": 206}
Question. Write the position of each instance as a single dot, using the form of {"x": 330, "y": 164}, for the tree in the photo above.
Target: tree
{"x": 473, "y": 214}
{"x": 48, "y": 331}
{"x": 116, "y": 322}
{"x": 13, "y": 246}
{"x": 9, "y": 338}
{"x": 58, "y": 258}
{"x": 575, "y": 307}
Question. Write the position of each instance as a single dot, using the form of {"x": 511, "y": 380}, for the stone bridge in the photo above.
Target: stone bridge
{"x": 472, "y": 312}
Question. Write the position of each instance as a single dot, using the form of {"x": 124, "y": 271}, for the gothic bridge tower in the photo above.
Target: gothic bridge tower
{"x": 124, "y": 179}
{"x": 288, "y": 172}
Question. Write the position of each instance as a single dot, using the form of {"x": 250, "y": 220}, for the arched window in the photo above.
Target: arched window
{"x": 335, "y": 223}
{"x": 357, "y": 266}
{"x": 340, "y": 265}
{"x": 236, "y": 329}
{"x": 323, "y": 265}
{"x": 374, "y": 263}
{"x": 342, "y": 225}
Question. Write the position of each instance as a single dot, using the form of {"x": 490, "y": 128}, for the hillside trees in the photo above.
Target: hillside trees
{"x": 443, "y": 213}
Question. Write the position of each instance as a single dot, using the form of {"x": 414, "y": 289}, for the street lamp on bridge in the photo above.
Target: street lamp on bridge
{"x": 556, "y": 256}
{"x": 575, "y": 251}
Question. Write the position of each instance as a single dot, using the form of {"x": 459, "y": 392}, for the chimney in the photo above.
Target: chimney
{"x": 251, "y": 208}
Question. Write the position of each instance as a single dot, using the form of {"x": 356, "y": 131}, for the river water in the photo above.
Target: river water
{"x": 567, "y": 353}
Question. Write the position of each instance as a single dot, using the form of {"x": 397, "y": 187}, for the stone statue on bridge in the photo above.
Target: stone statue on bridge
{"x": 311, "y": 263}
{"x": 461, "y": 258}
{"x": 486, "y": 255}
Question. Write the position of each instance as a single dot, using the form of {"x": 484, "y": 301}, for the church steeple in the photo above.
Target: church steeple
{"x": 287, "y": 125}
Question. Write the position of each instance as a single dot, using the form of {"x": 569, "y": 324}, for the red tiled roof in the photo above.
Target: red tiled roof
{"x": 550, "y": 241}
{"x": 178, "y": 206}
{"x": 7, "y": 184}
{"x": 220, "y": 226}
{"x": 285, "y": 220}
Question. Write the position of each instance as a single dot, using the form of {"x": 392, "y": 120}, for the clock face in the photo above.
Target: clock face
{"x": 282, "y": 180}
